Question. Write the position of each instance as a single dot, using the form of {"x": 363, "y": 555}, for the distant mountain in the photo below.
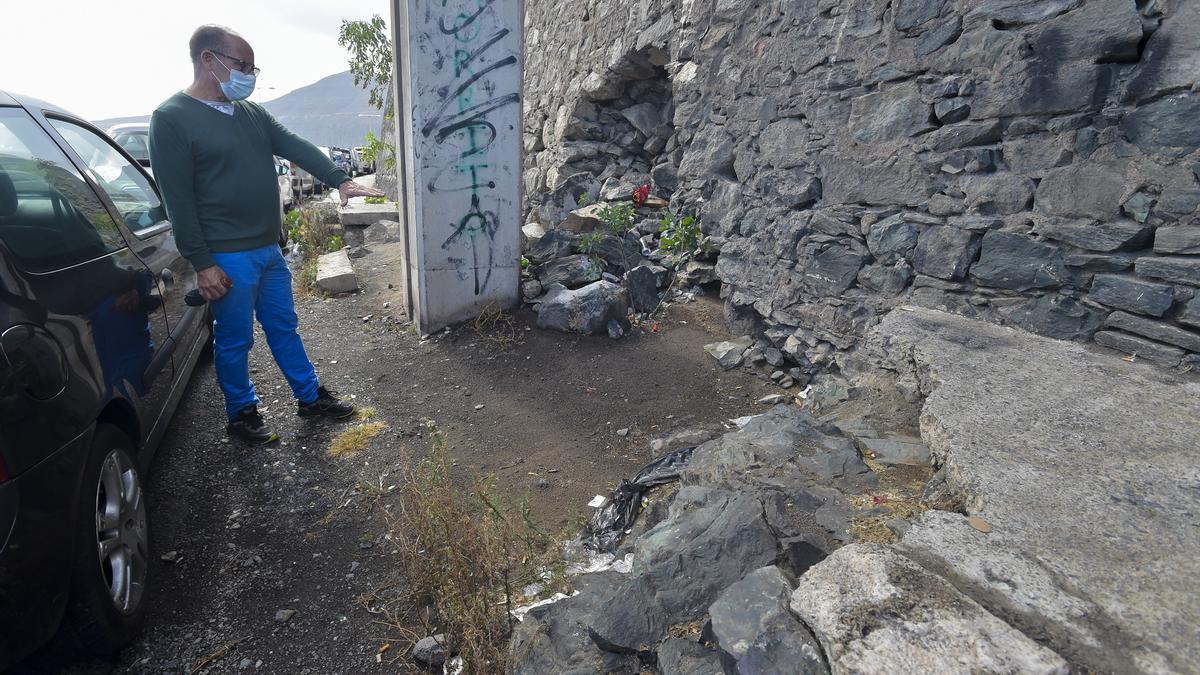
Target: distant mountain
{"x": 330, "y": 111}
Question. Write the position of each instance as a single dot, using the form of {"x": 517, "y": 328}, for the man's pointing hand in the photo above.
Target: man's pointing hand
{"x": 350, "y": 189}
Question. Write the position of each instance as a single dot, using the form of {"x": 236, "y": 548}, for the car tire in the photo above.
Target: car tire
{"x": 108, "y": 589}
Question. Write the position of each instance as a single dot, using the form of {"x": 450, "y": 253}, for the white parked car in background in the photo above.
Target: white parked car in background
{"x": 134, "y": 138}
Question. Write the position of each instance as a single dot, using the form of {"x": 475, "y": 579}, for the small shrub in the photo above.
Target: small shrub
{"x": 589, "y": 245}
{"x": 680, "y": 236}
{"x": 618, "y": 218}
{"x": 525, "y": 263}
{"x": 584, "y": 199}
{"x": 375, "y": 200}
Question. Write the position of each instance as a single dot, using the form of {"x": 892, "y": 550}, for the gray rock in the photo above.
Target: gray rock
{"x": 555, "y": 243}
{"x": 951, "y": 110}
{"x": 894, "y": 113}
{"x": 1155, "y": 330}
{"x": 1170, "y": 58}
{"x": 430, "y": 650}
{"x": 897, "y": 450}
{"x": 1176, "y": 269}
{"x": 1100, "y": 262}
{"x": 1138, "y": 206}
{"x": 710, "y": 539}
{"x": 999, "y": 194}
{"x": 935, "y": 38}
{"x": 1018, "y": 263}
{"x": 945, "y": 252}
{"x": 829, "y": 268}
{"x": 1132, "y": 294}
{"x": 586, "y": 310}
{"x": 619, "y": 253}
{"x": 1045, "y": 495}
{"x": 1191, "y": 313}
{"x": 887, "y": 280}
{"x": 875, "y": 611}
{"x": 679, "y": 656}
{"x": 597, "y": 87}
{"x": 285, "y": 615}
{"x": 1166, "y": 126}
{"x": 642, "y": 285}
{"x": 1140, "y": 348}
{"x": 1057, "y": 316}
{"x": 891, "y": 239}
{"x": 913, "y": 13}
{"x": 531, "y": 290}
{"x": 782, "y": 144}
{"x": 757, "y": 633}
{"x": 531, "y": 233}
{"x": 1082, "y": 190}
{"x": 554, "y": 638}
{"x": 729, "y": 353}
{"x": 564, "y": 198}
{"x": 645, "y": 117}
{"x": 572, "y": 271}
{"x": 1183, "y": 239}
{"x": 585, "y": 219}
{"x": 773, "y": 357}
{"x": 695, "y": 273}
{"x": 772, "y": 399}
{"x": 1093, "y": 235}
{"x": 962, "y": 135}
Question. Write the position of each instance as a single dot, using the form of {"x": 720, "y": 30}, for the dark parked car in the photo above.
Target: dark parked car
{"x": 96, "y": 345}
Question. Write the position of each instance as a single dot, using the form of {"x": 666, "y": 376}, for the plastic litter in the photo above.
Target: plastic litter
{"x": 612, "y": 521}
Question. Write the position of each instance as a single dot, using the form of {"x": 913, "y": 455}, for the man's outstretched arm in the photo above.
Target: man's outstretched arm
{"x": 290, "y": 146}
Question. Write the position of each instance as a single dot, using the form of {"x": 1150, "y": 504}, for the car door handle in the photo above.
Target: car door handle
{"x": 167, "y": 276}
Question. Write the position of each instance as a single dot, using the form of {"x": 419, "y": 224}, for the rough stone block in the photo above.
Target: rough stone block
{"x": 1166, "y": 126}
{"x": 945, "y": 252}
{"x": 894, "y": 113}
{"x": 755, "y": 630}
{"x": 1057, "y": 316}
{"x": 1181, "y": 239}
{"x": 729, "y": 353}
{"x": 585, "y": 219}
{"x": 571, "y": 271}
{"x": 1082, "y": 190}
{"x": 962, "y": 135}
{"x": 1094, "y": 235}
{"x": 1175, "y": 269}
{"x": 1155, "y": 330}
{"x": 1191, "y": 313}
{"x": 1132, "y": 294}
{"x": 1144, "y": 349}
{"x": 335, "y": 274}
{"x": 362, "y": 215}
{"x": 876, "y": 611}
{"x": 1018, "y": 263}
{"x": 891, "y": 239}
{"x": 586, "y": 310}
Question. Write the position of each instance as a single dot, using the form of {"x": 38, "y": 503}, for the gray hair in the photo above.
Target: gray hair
{"x": 209, "y": 37}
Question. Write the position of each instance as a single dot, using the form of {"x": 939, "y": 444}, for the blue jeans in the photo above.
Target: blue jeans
{"x": 262, "y": 286}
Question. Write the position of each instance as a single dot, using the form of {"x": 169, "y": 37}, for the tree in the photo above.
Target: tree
{"x": 370, "y": 50}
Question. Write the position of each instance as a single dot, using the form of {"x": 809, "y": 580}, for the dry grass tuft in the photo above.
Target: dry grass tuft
{"x": 464, "y": 555}
{"x": 495, "y": 327}
{"x": 354, "y": 440}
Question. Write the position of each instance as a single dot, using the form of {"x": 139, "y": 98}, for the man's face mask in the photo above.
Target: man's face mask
{"x": 239, "y": 86}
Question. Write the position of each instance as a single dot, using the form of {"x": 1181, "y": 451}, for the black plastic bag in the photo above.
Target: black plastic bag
{"x": 608, "y": 523}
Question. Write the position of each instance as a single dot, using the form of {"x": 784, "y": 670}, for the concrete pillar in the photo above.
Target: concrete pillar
{"x": 459, "y": 98}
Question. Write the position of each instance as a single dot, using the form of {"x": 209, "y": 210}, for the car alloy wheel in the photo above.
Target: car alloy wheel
{"x": 121, "y": 534}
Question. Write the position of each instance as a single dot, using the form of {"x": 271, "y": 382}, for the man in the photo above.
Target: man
{"x": 212, "y": 152}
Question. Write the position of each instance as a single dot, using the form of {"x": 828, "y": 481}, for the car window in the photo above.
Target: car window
{"x": 49, "y": 216}
{"x": 136, "y": 143}
{"x": 126, "y": 185}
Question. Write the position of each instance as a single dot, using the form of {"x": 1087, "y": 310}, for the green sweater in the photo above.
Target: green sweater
{"x": 217, "y": 175}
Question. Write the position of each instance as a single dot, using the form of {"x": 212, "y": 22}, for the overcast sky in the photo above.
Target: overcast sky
{"x": 113, "y": 59}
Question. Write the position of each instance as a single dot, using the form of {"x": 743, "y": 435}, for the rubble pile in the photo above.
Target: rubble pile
{"x": 606, "y": 262}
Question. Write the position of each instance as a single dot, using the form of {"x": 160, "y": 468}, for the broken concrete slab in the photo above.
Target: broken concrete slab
{"x": 335, "y": 274}
{"x": 875, "y": 611}
{"x": 1017, "y": 587}
{"x": 361, "y": 215}
{"x": 1083, "y": 461}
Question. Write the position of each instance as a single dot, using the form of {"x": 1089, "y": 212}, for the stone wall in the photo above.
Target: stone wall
{"x": 1033, "y": 162}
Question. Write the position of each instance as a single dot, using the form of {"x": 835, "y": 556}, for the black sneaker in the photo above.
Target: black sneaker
{"x": 249, "y": 427}
{"x": 326, "y": 405}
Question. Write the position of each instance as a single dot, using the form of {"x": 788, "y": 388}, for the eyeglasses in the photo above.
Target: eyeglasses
{"x": 244, "y": 66}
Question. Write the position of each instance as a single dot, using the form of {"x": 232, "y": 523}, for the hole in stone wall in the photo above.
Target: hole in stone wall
{"x": 626, "y": 135}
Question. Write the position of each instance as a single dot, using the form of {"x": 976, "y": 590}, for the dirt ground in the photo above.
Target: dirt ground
{"x": 240, "y": 534}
